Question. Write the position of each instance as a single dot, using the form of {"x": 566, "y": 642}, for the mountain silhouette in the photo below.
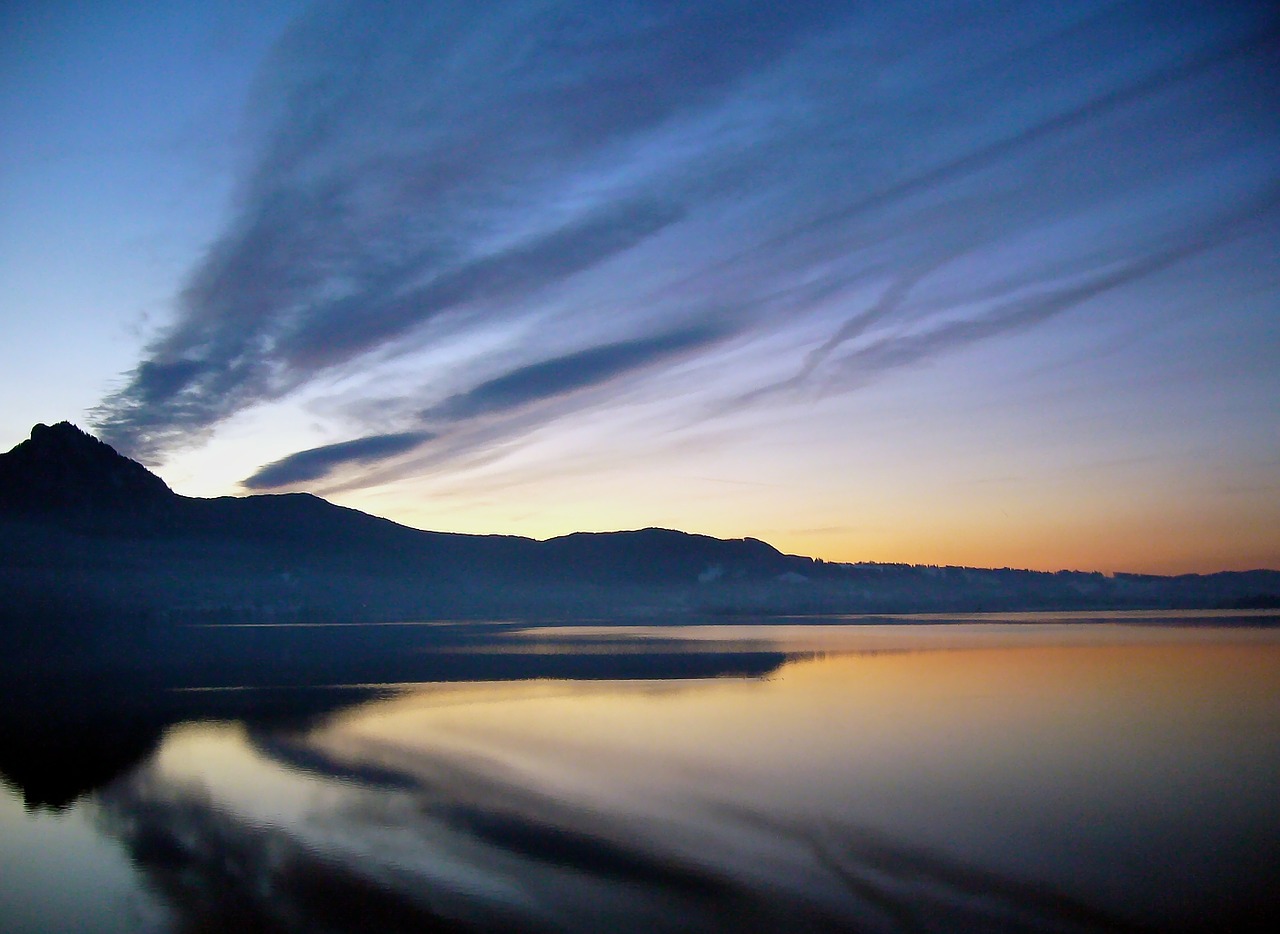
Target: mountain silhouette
{"x": 63, "y": 468}
{"x": 98, "y": 557}
{"x": 64, "y": 476}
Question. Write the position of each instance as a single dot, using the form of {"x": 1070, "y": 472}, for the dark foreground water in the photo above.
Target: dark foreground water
{"x": 1034, "y": 773}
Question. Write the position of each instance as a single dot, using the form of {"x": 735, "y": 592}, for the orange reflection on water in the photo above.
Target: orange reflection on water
{"x": 1132, "y": 769}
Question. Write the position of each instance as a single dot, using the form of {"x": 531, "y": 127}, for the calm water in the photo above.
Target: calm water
{"x": 1002, "y": 773}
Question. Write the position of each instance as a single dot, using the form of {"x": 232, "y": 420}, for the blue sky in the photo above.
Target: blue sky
{"x": 984, "y": 283}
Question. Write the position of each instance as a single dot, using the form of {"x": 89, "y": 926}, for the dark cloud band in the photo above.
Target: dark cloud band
{"x": 318, "y": 463}
{"x": 516, "y": 177}
{"x": 560, "y": 376}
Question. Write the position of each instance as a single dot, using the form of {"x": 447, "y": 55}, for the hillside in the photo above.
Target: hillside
{"x": 95, "y": 551}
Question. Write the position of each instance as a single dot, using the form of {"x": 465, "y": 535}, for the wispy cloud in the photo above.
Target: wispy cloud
{"x": 319, "y": 463}
{"x": 560, "y": 376}
{"x": 511, "y": 394}
{"x": 412, "y": 165}
{"x": 1005, "y": 309}
{"x": 593, "y": 184}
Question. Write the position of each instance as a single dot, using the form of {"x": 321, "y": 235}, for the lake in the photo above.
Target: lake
{"x": 1020, "y": 772}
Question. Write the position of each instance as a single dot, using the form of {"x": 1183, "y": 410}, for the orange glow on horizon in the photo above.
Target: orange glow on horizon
{"x": 1081, "y": 542}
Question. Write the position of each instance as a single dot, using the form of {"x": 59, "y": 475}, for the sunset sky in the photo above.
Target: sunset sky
{"x": 982, "y": 283}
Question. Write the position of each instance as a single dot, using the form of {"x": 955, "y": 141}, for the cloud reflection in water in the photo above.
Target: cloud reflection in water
{"x": 415, "y": 861}
{"x": 793, "y": 803}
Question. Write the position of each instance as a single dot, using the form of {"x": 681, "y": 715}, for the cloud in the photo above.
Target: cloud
{"x": 516, "y": 272}
{"x": 526, "y": 201}
{"x": 412, "y": 164}
{"x": 899, "y": 350}
{"x": 318, "y": 463}
{"x": 1019, "y": 302}
{"x": 560, "y": 376}
{"x": 504, "y": 395}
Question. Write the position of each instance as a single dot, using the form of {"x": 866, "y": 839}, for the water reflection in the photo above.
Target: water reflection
{"x": 65, "y": 732}
{"x": 1060, "y": 779}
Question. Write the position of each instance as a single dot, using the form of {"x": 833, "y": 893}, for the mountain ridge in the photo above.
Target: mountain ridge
{"x": 91, "y": 541}
{"x": 62, "y": 466}
{"x": 62, "y": 470}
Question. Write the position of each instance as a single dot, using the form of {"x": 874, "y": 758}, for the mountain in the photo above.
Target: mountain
{"x": 86, "y": 533}
{"x": 98, "y": 555}
{"x": 63, "y": 468}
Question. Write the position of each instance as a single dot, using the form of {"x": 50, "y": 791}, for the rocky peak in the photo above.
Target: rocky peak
{"x": 61, "y": 467}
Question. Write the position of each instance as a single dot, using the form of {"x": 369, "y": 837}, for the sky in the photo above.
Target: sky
{"x": 979, "y": 283}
